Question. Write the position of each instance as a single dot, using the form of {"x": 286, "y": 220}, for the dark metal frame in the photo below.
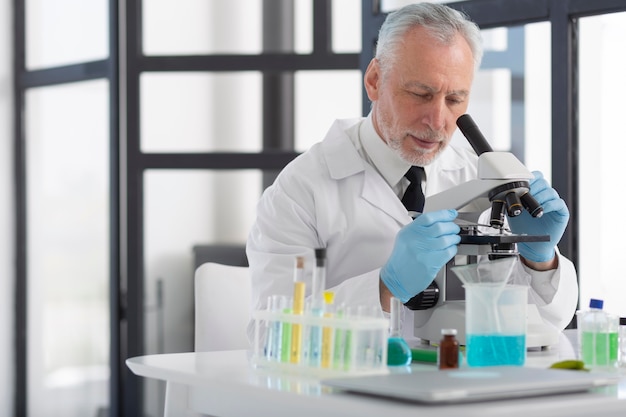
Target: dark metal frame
{"x": 23, "y": 80}
{"x": 128, "y": 163}
{"x": 273, "y": 158}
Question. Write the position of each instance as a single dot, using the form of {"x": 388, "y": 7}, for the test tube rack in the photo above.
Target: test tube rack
{"x": 347, "y": 345}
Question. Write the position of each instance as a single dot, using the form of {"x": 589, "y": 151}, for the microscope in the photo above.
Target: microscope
{"x": 503, "y": 184}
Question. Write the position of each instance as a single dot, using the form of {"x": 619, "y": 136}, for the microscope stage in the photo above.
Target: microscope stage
{"x": 500, "y": 238}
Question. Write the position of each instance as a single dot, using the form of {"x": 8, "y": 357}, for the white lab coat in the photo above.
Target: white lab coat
{"x": 329, "y": 197}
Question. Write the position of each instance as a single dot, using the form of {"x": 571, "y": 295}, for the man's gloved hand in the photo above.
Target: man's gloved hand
{"x": 553, "y": 222}
{"x": 421, "y": 249}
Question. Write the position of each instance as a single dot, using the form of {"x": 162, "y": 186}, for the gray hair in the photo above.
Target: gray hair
{"x": 441, "y": 21}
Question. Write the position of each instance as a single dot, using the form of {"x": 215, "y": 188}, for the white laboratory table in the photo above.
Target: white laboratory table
{"x": 224, "y": 384}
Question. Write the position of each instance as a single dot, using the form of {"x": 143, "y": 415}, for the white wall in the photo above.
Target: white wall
{"x": 601, "y": 153}
{"x": 7, "y": 252}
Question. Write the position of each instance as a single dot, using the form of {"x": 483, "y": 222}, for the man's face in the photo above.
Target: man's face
{"x": 419, "y": 96}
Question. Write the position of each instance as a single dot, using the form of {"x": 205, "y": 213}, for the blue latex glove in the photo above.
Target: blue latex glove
{"x": 420, "y": 250}
{"x": 553, "y": 222}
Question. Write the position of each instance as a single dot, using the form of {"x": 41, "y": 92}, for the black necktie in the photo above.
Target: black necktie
{"x": 413, "y": 198}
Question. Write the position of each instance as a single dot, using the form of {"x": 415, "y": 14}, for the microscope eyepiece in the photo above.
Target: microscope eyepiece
{"x": 472, "y": 133}
{"x": 513, "y": 202}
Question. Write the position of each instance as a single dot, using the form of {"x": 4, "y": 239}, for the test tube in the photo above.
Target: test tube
{"x": 274, "y": 331}
{"x": 368, "y": 353}
{"x": 349, "y": 354}
{"x": 339, "y": 340}
{"x": 622, "y": 342}
{"x": 317, "y": 307}
{"x": 285, "y": 348}
{"x": 319, "y": 278}
{"x": 299, "y": 289}
{"x": 327, "y": 331}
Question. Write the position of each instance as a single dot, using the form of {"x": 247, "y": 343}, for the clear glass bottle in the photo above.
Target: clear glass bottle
{"x": 398, "y": 350}
{"x": 598, "y": 336}
{"x": 448, "y": 350}
{"x": 622, "y": 342}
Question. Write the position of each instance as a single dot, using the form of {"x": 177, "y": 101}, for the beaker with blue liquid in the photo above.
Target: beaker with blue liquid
{"x": 495, "y": 313}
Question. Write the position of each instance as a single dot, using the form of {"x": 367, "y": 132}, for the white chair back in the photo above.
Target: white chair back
{"x": 222, "y": 307}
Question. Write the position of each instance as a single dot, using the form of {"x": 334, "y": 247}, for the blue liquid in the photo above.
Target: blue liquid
{"x": 398, "y": 352}
{"x": 493, "y": 350}
{"x": 274, "y": 341}
{"x": 315, "y": 340}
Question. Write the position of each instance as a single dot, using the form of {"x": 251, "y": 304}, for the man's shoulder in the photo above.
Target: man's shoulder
{"x": 344, "y": 125}
{"x": 335, "y": 156}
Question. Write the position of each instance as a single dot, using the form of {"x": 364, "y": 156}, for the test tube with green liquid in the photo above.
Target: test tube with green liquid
{"x": 339, "y": 340}
{"x": 348, "y": 340}
{"x": 285, "y": 347}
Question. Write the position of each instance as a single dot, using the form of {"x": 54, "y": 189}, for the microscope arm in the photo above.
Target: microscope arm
{"x": 495, "y": 170}
{"x": 475, "y": 191}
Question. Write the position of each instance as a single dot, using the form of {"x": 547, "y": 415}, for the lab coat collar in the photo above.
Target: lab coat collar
{"x": 341, "y": 156}
{"x": 385, "y": 159}
{"x": 343, "y": 160}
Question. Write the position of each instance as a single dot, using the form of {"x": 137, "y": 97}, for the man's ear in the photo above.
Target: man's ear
{"x": 372, "y": 79}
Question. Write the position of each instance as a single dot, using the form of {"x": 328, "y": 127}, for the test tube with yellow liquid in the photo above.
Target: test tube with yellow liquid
{"x": 299, "y": 290}
{"x": 327, "y": 331}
